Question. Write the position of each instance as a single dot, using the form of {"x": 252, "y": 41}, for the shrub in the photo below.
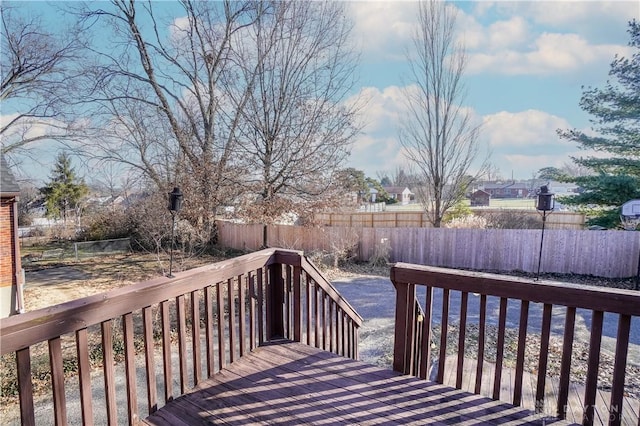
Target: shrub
{"x": 460, "y": 210}
{"x": 511, "y": 219}
{"x": 469, "y": 221}
{"x": 106, "y": 226}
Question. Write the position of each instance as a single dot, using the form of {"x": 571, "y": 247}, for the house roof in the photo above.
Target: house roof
{"x": 8, "y": 184}
{"x": 480, "y": 192}
{"x": 396, "y": 189}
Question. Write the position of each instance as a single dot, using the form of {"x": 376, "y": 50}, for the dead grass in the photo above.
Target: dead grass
{"x": 103, "y": 273}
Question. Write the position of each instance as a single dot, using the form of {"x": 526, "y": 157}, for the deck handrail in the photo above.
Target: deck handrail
{"x": 233, "y": 306}
{"x": 624, "y": 303}
{"x": 296, "y": 258}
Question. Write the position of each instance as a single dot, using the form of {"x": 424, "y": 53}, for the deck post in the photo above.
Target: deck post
{"x": 405, "y": 323}
{"x": 276, "y": 298}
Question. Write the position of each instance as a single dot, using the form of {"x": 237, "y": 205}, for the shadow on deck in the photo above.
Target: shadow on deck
{"x": 290, "y": 383}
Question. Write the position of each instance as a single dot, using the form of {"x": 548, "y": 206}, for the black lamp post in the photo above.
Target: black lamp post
{"x": 546, "y": 203}
{"x": 175, "y": 204}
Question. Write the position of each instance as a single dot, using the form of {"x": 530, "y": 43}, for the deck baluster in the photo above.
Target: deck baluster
{"x": 323, "y": 309}
{"x": 545, "y": 333}
{"x": 57, "y": 381}
{"x": 231, "y": 307}
{"x": 109, "y": 376}
{"x": 25, "y": 386}
{"x": 502, "y": 322}
{"x": 297, "y": 304}
{"x": 332, "y": 325}
{"x": 316, "y": 313}
{"x": 252, "y": 312}
{"x": 617, "y": 392}
{"x": 308, "y": 307}
{"x": 220, "y": 312}
{"x": 182, "y": 343}
{"x": 242, "y": 321}
{"x": 464, "y": 302}
{"x": 208, "y": 312}
{"x": 288, "y": 301}
{"x": 482, "y": 327}
{"x": 130, "y": 368}
{"x": 591, "y": 385}
{"x": 84, "y": 375}
{"x": 425, "y": 350}
{"x": 195, "y": 337}
{"x": 444, "y": 331}
{"x": 565, "y": 363}
{"x": 522, "y": 342}
{"x": 261, "y": 311}
{"x": 149, "y": 357}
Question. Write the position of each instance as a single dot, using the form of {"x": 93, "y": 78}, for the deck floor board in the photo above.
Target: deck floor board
{"x": 291, "y": 383}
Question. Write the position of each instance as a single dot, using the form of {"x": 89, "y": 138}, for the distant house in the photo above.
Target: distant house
{"x": 509, "y": 189}
{"x": 400, "y": 193}
{"x": 480, "y": 198}
{"x": 10, "y": 263}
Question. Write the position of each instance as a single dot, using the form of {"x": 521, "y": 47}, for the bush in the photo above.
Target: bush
{"x": 469, "y": 221}
{"x": 106, "y": 226}
{"x": 458, "y": 211}
{"x": 511, "y": 219}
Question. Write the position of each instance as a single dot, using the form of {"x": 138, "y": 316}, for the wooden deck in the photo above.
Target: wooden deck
{"x": 291, "y": 383}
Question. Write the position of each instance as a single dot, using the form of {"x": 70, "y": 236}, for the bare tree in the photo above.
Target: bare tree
{"x": 438, "y": 134}
{"x": 168, "y": 95}
{"x": 36, "y": 72}
{"x": 297, "y": 130}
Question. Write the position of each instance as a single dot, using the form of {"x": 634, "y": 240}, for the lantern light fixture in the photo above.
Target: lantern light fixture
{"x": 545, "y": 203}
{"x": 175, "y": 204}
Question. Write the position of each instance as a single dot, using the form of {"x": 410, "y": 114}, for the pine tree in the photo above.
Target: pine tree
{"x": 65, "y": 190}
{"x": 616, "y": 123}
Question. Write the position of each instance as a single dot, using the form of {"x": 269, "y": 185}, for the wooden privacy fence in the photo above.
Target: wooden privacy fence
{"x": 418, "y": 219}
{"x": 612, "y": 254}
{"x": 208, "y": 317}
{"x": 490, "y": 302}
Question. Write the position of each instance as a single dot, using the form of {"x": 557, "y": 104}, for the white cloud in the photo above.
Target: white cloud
{"x": 524, "y": 142}
{"x": 579, "y": 13}
{"x": 378, "y": 148}
{"x": 514, "y": 131}
{"x": 546, "y": 38}
{"x": 505, "y": 34}
{"x": 383, "y": 28}
{"x": 551, "y": 53}
{"x": 30, "y": 128}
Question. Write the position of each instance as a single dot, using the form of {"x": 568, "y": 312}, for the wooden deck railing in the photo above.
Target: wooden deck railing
{"x": 207, "y": 317}
{"x": 414, "y": 336}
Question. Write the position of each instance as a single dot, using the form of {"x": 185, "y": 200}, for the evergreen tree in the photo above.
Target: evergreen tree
{"x": 616, "y": 123}
{"x": 65, "y": 190}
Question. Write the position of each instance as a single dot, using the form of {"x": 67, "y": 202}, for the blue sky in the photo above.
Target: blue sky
{"x": 527, "y": 65}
